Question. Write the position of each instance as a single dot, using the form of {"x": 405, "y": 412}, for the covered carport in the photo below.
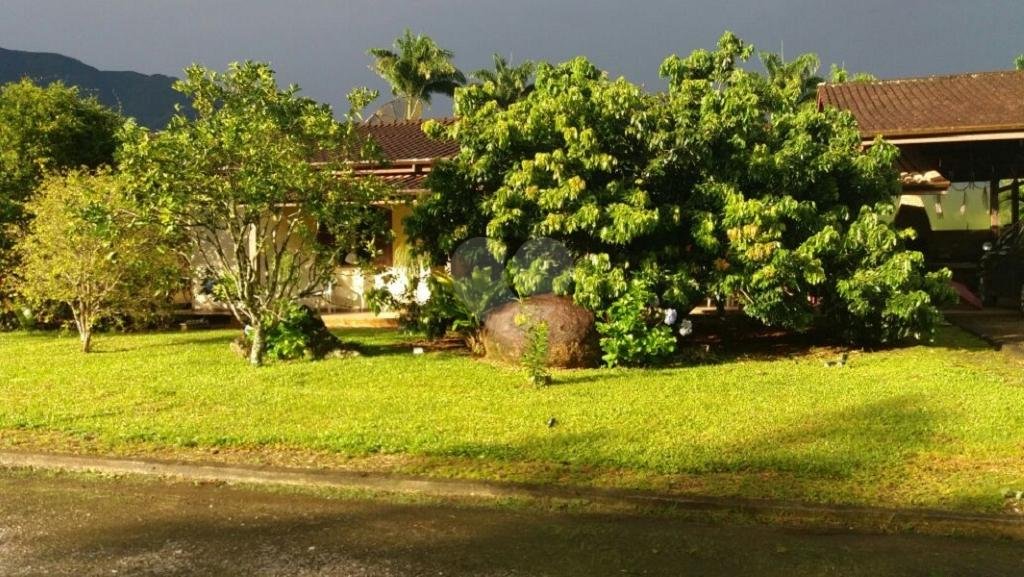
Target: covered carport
{"x": 961, "y": 139}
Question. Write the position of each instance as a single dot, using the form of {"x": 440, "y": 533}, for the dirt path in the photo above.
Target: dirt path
{"x": 76, "y": 525}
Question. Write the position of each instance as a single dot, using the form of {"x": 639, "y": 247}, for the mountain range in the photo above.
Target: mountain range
{"x": 147, "y": 98}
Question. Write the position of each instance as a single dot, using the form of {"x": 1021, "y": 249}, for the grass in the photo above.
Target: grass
{"x": 935, "y": 426}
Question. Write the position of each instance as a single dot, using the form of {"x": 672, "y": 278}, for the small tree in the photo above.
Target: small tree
{"x": 417, "y": 69}
{"x": 44, "y": 128}
{"x": 88, "y": 248}
{"x": 259, "y": 184}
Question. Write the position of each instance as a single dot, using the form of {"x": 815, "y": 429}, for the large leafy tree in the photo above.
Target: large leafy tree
{"x": 89, "y": 247}
{"x": 506, "y": 83}
{"x": 51, "y": 128}
{"x": 726, "y": 184}
{"x": 259, "y": 182}
{"x": 417, "y": 68}
{"x": 1019, "y": 62}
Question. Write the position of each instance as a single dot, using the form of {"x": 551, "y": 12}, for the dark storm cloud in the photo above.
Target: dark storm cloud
{"x": 321, "y": 45}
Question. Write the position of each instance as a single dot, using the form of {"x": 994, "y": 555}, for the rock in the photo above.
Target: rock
{"x": 572, "y": 338}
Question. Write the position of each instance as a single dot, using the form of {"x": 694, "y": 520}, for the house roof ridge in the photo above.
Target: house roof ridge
{"x": 923, "y": 79}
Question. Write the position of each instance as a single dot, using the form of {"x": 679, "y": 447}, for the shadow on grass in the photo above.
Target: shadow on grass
{"x": 816, "y": 460}
{"x": 720, "y": 341}
{"x": 862, "y": 440}
{"x": 102, "y": 347}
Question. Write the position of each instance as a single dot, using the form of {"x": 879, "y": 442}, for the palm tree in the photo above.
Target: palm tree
{"x": 839, "y": 75}
{"x": 799, "y": 74}
{"x": 508, "y": 83}
{"x": 417, "y": 68}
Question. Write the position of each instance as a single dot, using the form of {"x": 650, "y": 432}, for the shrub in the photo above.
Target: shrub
{"x": 881, "y": 295}
{"x": 449, "y": 309}
{"x": 88, "y": 249}
{"x": 633, "y": 332}
{"x": 730, "y": 183}
{"x": 535, "y": 352}
{"x": 300, "y": 333}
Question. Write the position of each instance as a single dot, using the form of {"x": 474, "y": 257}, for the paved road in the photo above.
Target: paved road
{"x": 82, "y": 526}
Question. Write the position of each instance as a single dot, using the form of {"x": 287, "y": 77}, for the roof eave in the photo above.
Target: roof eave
{"x": 934, "y": 137}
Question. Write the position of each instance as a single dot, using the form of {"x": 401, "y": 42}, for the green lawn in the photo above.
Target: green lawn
{"x": 939, "y": 425}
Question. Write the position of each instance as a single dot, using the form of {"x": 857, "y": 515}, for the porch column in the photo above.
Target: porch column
{"x": 993, "y": 203}
{"x": 1015, "y": 201}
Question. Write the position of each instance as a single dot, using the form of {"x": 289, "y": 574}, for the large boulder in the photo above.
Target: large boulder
{"x": 572, "y": 338}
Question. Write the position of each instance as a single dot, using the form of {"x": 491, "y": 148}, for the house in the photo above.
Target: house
{"x": 408, "y": 155}
{"x": 961, "y": 141}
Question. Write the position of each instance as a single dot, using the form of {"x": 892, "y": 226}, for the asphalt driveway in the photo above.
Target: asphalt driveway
{"x": 83, "y": 525}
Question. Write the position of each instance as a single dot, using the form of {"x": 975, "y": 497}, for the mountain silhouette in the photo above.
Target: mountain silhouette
{"x": 147, "y": 98}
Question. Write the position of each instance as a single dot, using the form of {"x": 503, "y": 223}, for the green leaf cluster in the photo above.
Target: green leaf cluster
{"x": 729, "y": 183}
{"x": 44, "y": 129}
{"x": 260, "y": 182}
{"x": 89, "y": 248}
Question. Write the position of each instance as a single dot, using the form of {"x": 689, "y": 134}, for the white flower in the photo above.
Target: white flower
{"x": 686, "y": 328}
{"x": 670, "y": 316}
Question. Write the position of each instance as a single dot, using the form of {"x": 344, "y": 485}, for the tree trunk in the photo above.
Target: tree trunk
{"x": 83, "y": 322}
{"x": 259, "y": 345}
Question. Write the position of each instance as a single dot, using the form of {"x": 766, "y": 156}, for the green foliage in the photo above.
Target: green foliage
{"x": 536, "y": 349}
{"x": 798, "y": 79}
{"x": 239, "y": 182}
{"x": 506, "y": 84}
{"x": 726, "y": 184}
{"x": 446, "y": 311}
{"x": 51, "y": 128}
{"x": 882, "y": 295}
{"x": 632, "y": 332}
{"x": 300, "y": 333}
{"x": 417, "y": 68}
{"x": 839, "y": 75}
{"x": 88, "y": 248}
{"x": 1019, "y": 62}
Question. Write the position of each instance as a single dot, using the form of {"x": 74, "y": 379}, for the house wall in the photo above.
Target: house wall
{"x": 351, "y": 287}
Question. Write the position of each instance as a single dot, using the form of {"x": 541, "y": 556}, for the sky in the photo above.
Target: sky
{"x": 321, "y": 44}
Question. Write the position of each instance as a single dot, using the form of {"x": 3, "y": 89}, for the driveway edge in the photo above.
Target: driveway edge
{"x": 844, "y": 517}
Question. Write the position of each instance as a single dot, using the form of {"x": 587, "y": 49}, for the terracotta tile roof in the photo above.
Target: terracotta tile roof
{"x": 406, "y": 183}
{"x": 960, "y": 104}
{"x": 404, "y": 140}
